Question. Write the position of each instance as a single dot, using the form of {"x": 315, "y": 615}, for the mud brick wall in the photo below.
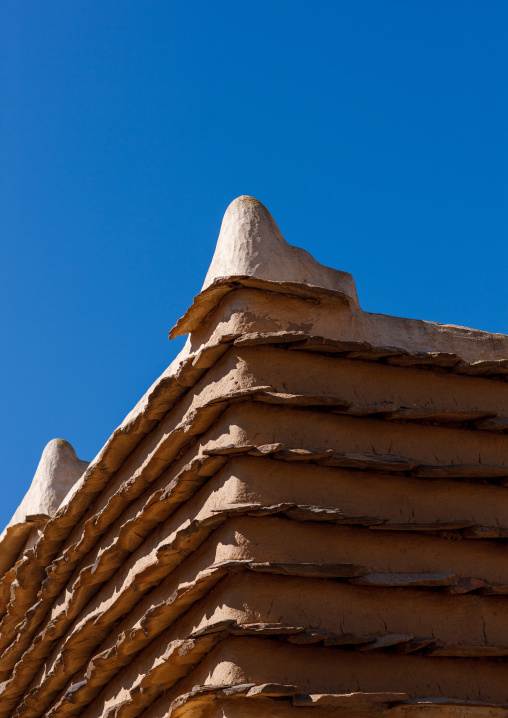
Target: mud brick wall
{"x": 305, "y": 516}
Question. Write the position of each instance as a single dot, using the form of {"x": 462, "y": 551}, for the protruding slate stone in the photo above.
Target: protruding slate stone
{"x": 308, "y": 637}
{"x": 462, "y": 471}
{"x": 266, "y": 449}
{"x": 331, "y": 346}
{"x": 344, "y": 700}
{"x": 265, "y": 629}
{"x": 390, "y": 639}
{"x": 376, "y": 462}
{"x": 497, "y": 423}
{"x": 441, "y": 707}
{"x": 406, "y": 579}
{"x": 495, "y": 590}
{"x": 415, "y": 644}
{"x": 469, "y": 651}
{"x": 465, "y": 585}
{"x": 439, "y": 359}
{"x": 272, "y": 690}
{"x": 372, "y": 409}
{"x": 440, "y": 416}
{"x": 309, "y": 570}
{"x": 486, "y": 532}
{"x": 303, "y": 454}
{"x": 377, "y": 353}
{"x": 308, "y": 400}
{"x": 260, "y": 338}
{"x": 437, "y": 526}
{"x": 229, "y": 449}
{"x": 492, "y": 367}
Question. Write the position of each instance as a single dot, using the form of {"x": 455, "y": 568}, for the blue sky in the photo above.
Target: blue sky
{"x": 375, "y": 132}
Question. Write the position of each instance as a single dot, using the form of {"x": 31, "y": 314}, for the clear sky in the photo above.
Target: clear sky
{"x": 375, "y": 132}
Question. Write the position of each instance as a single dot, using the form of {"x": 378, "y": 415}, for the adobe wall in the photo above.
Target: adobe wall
{"x": 305, "y": 515}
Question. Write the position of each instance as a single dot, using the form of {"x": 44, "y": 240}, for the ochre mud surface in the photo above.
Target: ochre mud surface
{"x": 306, "y": 515}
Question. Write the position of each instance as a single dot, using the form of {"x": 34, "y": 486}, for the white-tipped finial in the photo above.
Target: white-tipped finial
{"x": 251, "y": 244}
{"x": 57, "y": 472}
{"x": 252, "y": 252}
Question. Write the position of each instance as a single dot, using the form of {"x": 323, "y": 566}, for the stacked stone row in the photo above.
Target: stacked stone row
{"x": 285, "y": 523}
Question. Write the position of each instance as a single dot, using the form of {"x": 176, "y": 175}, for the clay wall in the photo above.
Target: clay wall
{"x": 306, "y": 515}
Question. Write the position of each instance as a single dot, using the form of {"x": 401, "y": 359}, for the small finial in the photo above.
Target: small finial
{"x": 251, "y": 244}
{"x": 57, "y": 472}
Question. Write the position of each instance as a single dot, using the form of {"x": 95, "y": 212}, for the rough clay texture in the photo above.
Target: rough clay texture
{"x": 58, "y": 471}
{"x": 251, "y": 244}
{"x": 305, "y": 515}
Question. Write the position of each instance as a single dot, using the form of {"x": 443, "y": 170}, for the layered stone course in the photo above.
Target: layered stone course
{"x": 306, "y": 515}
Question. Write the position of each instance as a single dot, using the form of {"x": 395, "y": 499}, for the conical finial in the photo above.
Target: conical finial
{"x": 57, "y": 472}
{"x": 252, "y": 252}
{"x": 251, "y": 244}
